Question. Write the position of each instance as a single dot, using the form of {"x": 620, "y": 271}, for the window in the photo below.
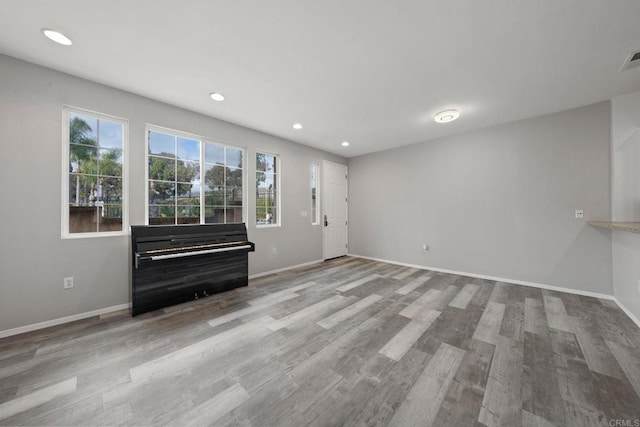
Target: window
{"x": 267, "y": 191}
{"x": 223, "y": 184}
{"x": 177, "y": 194}
{"x": 174, "y": 179}
{"x": 93, "y": 188}
{"x": 315, "y": 212}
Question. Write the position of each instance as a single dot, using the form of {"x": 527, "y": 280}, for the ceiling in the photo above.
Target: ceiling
{"x": 371, "y": 72}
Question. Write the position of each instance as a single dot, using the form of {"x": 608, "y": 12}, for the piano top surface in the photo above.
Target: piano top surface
{"x": 163, "y": 238}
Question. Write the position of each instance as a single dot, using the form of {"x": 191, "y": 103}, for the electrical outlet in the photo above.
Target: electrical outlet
{"x": 274, "y": 251}
{"x": 579, "y": 214}
{"x": 67, "y": 282}
{"x": 425, "y": 247}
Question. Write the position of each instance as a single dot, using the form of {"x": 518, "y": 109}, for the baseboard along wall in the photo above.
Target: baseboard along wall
{"x": 80, "y": 316}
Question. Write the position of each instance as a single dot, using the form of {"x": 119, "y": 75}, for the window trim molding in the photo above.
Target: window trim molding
{"x": 203, "y": 140}
{"x": 278, "y": 186}
{"x": 64, "y": 218}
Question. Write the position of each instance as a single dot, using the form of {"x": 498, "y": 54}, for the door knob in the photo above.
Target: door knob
{"x": 326, "y": 223}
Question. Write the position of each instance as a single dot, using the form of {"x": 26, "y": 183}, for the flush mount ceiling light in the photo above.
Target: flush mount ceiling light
{"x": 446, "y": 116}
{"x": 297, "y": 126}
{"x": 216, "y": 96}
{"x": 56, "y": 36}
{"x": 345, "y": 143}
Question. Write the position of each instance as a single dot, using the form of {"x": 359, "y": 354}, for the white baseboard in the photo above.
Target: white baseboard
{"x": 280, "y": 270}
{"x": 627, "y": 312}
{"x": 497, "y": 279}
{"x": 80, "y": 316}
{"x": 633, "y": 318}
{"x": 61, "y": 320}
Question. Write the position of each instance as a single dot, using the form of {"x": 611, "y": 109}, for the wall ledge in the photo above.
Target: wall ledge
{"x": 629, "y": 227}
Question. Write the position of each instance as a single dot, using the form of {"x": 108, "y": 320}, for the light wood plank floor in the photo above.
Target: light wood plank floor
{"x": 346, "y": 342}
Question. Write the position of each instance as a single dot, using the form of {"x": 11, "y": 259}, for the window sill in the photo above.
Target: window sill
{"x": 93, "y": 235}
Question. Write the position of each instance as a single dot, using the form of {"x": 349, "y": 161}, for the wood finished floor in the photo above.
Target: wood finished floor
{"x": 346, "y": 342}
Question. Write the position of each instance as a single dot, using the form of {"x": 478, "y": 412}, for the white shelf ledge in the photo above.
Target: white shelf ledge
{"x": 629, "y": 227}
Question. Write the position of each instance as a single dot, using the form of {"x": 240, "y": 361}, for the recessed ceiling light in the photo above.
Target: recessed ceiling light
{"x": 297, "y": 126}
{"x": 446, "y": 116}
{"x": 56, "y": 36}
{"x": 216, "y": 96}
{"x": 345, "y": 144}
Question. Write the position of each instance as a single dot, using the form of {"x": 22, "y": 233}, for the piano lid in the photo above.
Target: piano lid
{"x": 154, "y": 243}
{"x": 176, "y": 237}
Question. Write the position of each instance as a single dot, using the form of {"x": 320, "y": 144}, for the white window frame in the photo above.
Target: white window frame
{"x": 65, "y": 234}
{"x": 203, "y": 140}
{"x": 315, "y": 220}
{"x": 278, "y": 189}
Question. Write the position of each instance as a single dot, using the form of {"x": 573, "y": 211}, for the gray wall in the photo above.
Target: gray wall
{"x": 498, "y": 202}
{"x": 34, "y": 259}
{"x": 625, "y": 149}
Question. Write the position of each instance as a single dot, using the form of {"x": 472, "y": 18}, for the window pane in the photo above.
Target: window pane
{"x": 214, "y": 154}
{"x": 162, "y": 169}
{"x": 266, "y": 216}
{"x": 234, "y": 214}
{"x": 82, "y": 189}
{"x": 186, "y": 195}
{"x": 265, "y": 162}
{"x": 214, "y": 214}
{"x": 266, "y": 199}
{"x": 110, "y": 218}
{"x": 234, "y": 158}
{"x": 83, "y": 219}
{"x": 162, "y": 144}
{"x": 214, "y": 177}
{"x": 110, "y": 162}
{"x": 113, "y": 211}
{"x": 83, "y": 151}
{"x": 234, "y": 177}
{"x": 234, "y": 196}
{"x": 109, "y": 189}
{"x": 162, "y": 214}
{"x": 188, "y": 149}
{"x": 314, "y": 187}
{"x": 266, "y": 180}
{"x": 314, "y": 211}
{"x": 161, "y": 193}
{"x": 110, "y": 135}
{"x": 266, "y": 189}
{"x": 188, "y": 171}
{"x": 188, "y": 211}
{"x": 214, "y": 197}
{"x": 83, "y": 129}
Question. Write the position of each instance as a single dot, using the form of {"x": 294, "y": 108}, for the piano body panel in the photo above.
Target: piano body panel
{"x": 159, "y": 281}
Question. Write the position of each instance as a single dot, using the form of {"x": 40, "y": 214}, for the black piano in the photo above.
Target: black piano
{"x": 174, "y": 264}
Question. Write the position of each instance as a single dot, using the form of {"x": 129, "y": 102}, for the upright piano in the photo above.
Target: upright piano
{"x": 175, "y": 264}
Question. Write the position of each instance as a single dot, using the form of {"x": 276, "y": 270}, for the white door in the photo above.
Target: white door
{"x": 334, "y": 184}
